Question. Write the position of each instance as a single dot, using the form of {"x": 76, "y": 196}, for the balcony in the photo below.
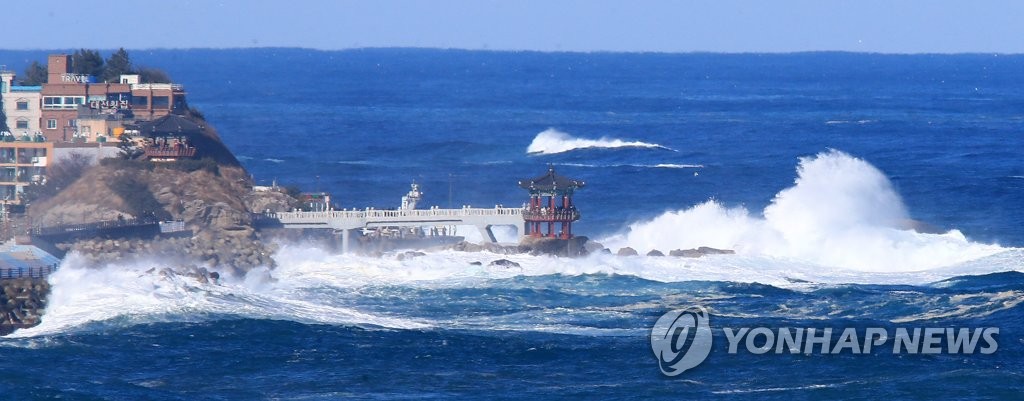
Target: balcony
{"x": 548, "y": 214}
{"x": 170, "y": 152}
{"x": 171, "y": 87}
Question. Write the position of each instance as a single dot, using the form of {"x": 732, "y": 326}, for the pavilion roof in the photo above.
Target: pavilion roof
{"x": 169, "y": 125}
{"x": 551, "y": 182}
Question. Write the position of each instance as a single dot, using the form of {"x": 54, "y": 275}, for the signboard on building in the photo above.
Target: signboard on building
{"x": 109, "y": 104}
{"x": 77, "y": 78}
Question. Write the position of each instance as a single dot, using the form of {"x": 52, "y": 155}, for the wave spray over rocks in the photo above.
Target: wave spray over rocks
{"x": 840, "y": 212}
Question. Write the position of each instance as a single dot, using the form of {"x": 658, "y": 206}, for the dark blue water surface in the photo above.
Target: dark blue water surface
{"x": 363, "y": 124}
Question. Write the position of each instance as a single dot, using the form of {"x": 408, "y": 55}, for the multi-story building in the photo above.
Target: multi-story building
{"x": 74, "y": 113}
{"x": 66, "y": 97}
{"x": 22, "y": 163}
{"x": 21, "y": 105}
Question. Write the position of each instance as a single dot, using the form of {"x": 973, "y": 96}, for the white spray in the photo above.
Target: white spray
{"x": 841, "y": 212}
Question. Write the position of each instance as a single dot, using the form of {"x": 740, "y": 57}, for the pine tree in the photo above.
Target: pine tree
{"x": 87, "y": 62}
{"x": 117, "y": 64}
{"x": 153, "y": 76}
{"x": 35, "y": 74}
{"x": 3, "y": 120}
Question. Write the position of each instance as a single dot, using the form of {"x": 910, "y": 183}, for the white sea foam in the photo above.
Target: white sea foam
{"x": 311, "y": 285}
{"x": 660, "y": 165}
{"x": 834, "y": 122}
{"x": 842, "y": 212}
{"x": 840, "y": 223}
{"x": 671, "y": 165}
{"x": 135, "y": 294}
{"x": 552, "y": 141}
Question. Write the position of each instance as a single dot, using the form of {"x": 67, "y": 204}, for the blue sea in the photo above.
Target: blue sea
{"x": 857, "y": 190}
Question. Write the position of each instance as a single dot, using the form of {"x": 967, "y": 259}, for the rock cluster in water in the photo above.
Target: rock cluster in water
{"x": 682, "y": 253}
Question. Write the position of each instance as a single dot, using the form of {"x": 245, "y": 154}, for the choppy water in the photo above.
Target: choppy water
{"x": 810, "y": 166}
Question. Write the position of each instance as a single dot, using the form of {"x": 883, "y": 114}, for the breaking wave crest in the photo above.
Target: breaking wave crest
{"x": 552, "y": 141}
{"x": 659, "y": 165}
{"x": 138, "y": 293}
{"x": 841, "y": 212}
{"x": 435, "y": 291}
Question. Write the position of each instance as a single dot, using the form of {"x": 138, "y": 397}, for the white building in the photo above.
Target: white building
{"x": 22, "y": 105}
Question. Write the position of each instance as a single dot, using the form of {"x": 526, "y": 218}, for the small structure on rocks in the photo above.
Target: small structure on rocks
{"x": 550, "y": 204}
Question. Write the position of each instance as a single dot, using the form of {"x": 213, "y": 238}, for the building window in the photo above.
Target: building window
{"x": 22, "y": 105}
{"x": 62, "y": 102}
{"x": 21, "y": 124}
{"x": 51, "y": 124}
{"x": 161, "y": 102}
{"x": 141, "y": 101}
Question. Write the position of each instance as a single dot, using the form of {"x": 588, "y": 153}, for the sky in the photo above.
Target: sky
{"x": 891, "y": 26}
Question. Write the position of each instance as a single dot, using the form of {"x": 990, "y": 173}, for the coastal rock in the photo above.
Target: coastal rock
{"x": 701, "y": 251}
{"x": 685, "y": 253}
{"x": 572, "y": 247}
{"x": 212, "y": 204}
{"x": 273, "y": 200}
{"x": 409, "y": 255}
{"x": 627, "y": 251}
{"x": 593, "y": 247}
{"x": 655, "y": 252}
{"x": 504, "y": 263}
{"x": 464, "y": 246}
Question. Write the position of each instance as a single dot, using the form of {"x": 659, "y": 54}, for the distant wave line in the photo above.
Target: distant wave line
{"x": 552, "y": 141}
{"x": 660, "y": 165}
{"x": 834, "y": 122}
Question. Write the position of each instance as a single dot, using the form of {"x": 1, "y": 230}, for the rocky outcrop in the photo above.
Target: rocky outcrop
{"x": 572, "y": 247}
{"x": 409, "y": 255}
{"x": 696, "y": 253}
{"x": 22, "y": 302}
{"x": 215, "y": 202}
{"x": 655, "y": 252}
{"x": 272, "y": 200}
{"x": 503, "y": 263}
{"x": 465, "y": 246}
{"x": 627, "y": 251}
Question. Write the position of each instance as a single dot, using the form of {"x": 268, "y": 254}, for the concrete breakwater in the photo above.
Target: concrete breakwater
{"x": 230, "y": 254}
{"x": 22, "y": 302}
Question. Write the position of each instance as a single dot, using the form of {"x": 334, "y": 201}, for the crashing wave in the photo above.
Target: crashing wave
{"x": 552, "y": 141}
{"x": 841, "y": 212}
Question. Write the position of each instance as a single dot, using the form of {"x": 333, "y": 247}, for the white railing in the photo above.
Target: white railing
{"x": 372, "y": 213}
{"x": 176, "y": 87}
